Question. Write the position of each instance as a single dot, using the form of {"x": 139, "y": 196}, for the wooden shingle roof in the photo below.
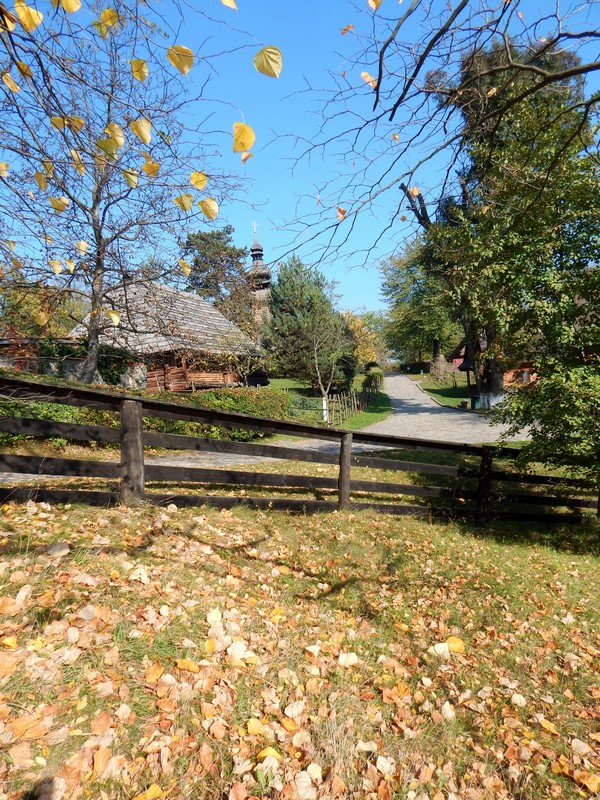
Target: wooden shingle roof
{"x": 157, "y": 319}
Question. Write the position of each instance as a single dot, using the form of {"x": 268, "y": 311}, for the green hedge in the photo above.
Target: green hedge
{"x": 262, "y": 402}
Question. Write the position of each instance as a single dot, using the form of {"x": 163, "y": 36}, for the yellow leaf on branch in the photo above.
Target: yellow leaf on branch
{"x": 24, "y": 69}
{"x": 70, "y": 6}
{"x": 346, "y": 29}
{"x": 198, "y": 180}
{"x": 209, "y": 207}
{"x": 341, "y": 213}
{"x": 131, "y": 177}
{"x": 184, "y": 201}
{"x": 10, "y": 83}
{"x": 77, "y": 162}
{"x": 115, "y": 132}
{"x": 70, "y": 265}
{"x": 142, "y": 128}
{"x": 374, "y": 4}
{"x": 56, "y": 266}
{"x": 29, "y": 17}
{"x": 4, "y": 169}
{"x": 74, "y": 124}
{"x": 109, "y": 17}
{"x": 269, "y": 61}
{"x": 181, "y": 57}
{"x": 185, "y": 267}
{"x": 58, "y": 123}
{"x": 151, "y": 168}
{"x": 58, "y": 203}
{"x": 8, "y": 21}
{"x": 48, "y": 168}
{"x": 139, "y": 69}
{"x": 41, "y": 180}
{"x": 243, "y": 137}
{"x": 82, "y": 246}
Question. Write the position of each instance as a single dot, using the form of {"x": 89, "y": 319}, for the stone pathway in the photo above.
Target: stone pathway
{"x": 416, "y": 414}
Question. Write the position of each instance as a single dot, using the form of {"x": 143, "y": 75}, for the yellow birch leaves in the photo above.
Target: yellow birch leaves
{"x": 198, "y": 180}
{"x": 28, "y": 16}
{"x": 243, "y": 137}
{"x": 269, "y": 61}
{"x": 142, "y": 128}
{"x": 139, "y": 69}
{"x": 185, "y": 267}
{"x": 181, "y": 57}
{"x": 209, "y": 207}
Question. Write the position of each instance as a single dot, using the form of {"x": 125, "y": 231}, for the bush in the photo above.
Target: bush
{"x": 255, "y": 401}
{"x": 373, "y": 378}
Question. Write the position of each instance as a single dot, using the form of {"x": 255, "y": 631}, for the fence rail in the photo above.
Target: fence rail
{"x": 474, "y": 488}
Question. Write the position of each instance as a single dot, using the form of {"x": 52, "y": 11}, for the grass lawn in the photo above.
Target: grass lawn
{"x": 446, "y": 394}
{"x": 164, "y": 653}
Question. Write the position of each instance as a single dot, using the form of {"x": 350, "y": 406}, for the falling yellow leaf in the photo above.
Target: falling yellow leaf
{"x": 29, "y": 17}
{"x": 198, "y": 180}
{"x": 115, "y": 132}
{"x": 346, "y": 28}
{"x": 56, "y": 266}
{"x": 151, "y": 793}
{"x": 181, "y": 57}
{"x": 184, "y": 201}
{"x": 131, "y": 178}
{"x": 24, "y": 69}
{"x": 4, "y": 169}
{"x": 10, "y": 83}
{"x": 455, "y": 644}
{"x": 8, "y": 21}
{"x": 209, "y": 207}
{"x": 374, "y": 4}
{"x": 341, "y": 213}
{"x": 269, "y": 61}
{"x": 368, "y": 78}
{"x": 139, "y": 69}
{"x": 230, "y": 4}
{"x": 77, "y": 162}
{"x": 70, "y": 6}
{"x": 58, "y": 203}
{"x": 82, "y": 246}
{"x": 186, "y": 269}
{"x": 245, "y": 156}
{"x": 113, "y": 316}
{"x": 58, "y": 122}
{"x": 142, "y": 128}
{"x": 151, "y": 168}
{"x": 243, "y": 137}
{"x": 109, "y": 17}
{"x": 187, "y": 664}
{"x": 41, "y": 318}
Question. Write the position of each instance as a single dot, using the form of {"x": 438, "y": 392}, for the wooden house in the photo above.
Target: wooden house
{"x": 177, "y": 341}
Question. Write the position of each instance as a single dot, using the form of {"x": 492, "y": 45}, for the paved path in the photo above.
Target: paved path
{"x": 417, "y": 414}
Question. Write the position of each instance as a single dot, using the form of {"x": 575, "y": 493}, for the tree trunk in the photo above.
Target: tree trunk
{"x": 436, "y": 350}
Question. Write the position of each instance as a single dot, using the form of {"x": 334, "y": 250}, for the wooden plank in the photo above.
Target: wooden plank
{"x": 46, "y": 429}
{"x": 518, "y": 516}
{"x": 541, "y": 480}
{"x": 344, "y": 471}
{"x": 300, "y": 506}
{"x": 132, "y": 453}
{"x": 542, "y": 500}
{"x": 178, "y": 442}
{"x": 411, "y": 489}
{"x": 56, "y": 496}
{"x": 167, "y": 473}
{"x": 410, "y": 466}
{"x": 38, "y": 465}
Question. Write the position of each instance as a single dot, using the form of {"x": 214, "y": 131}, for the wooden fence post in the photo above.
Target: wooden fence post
{"x": 344, "y": 476}
{"x": 132, "y": 452}
{"x": 483, "y": 488}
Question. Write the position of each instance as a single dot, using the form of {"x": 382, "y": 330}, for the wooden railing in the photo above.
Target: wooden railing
{"x": 472, "y": 489}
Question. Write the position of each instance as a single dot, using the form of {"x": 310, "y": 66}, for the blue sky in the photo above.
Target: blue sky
{"x": 286, "y": 113}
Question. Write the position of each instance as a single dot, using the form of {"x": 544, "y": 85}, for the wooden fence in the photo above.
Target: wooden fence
{"x": 478, "y": 487}
{"x": 341, "y": 407}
